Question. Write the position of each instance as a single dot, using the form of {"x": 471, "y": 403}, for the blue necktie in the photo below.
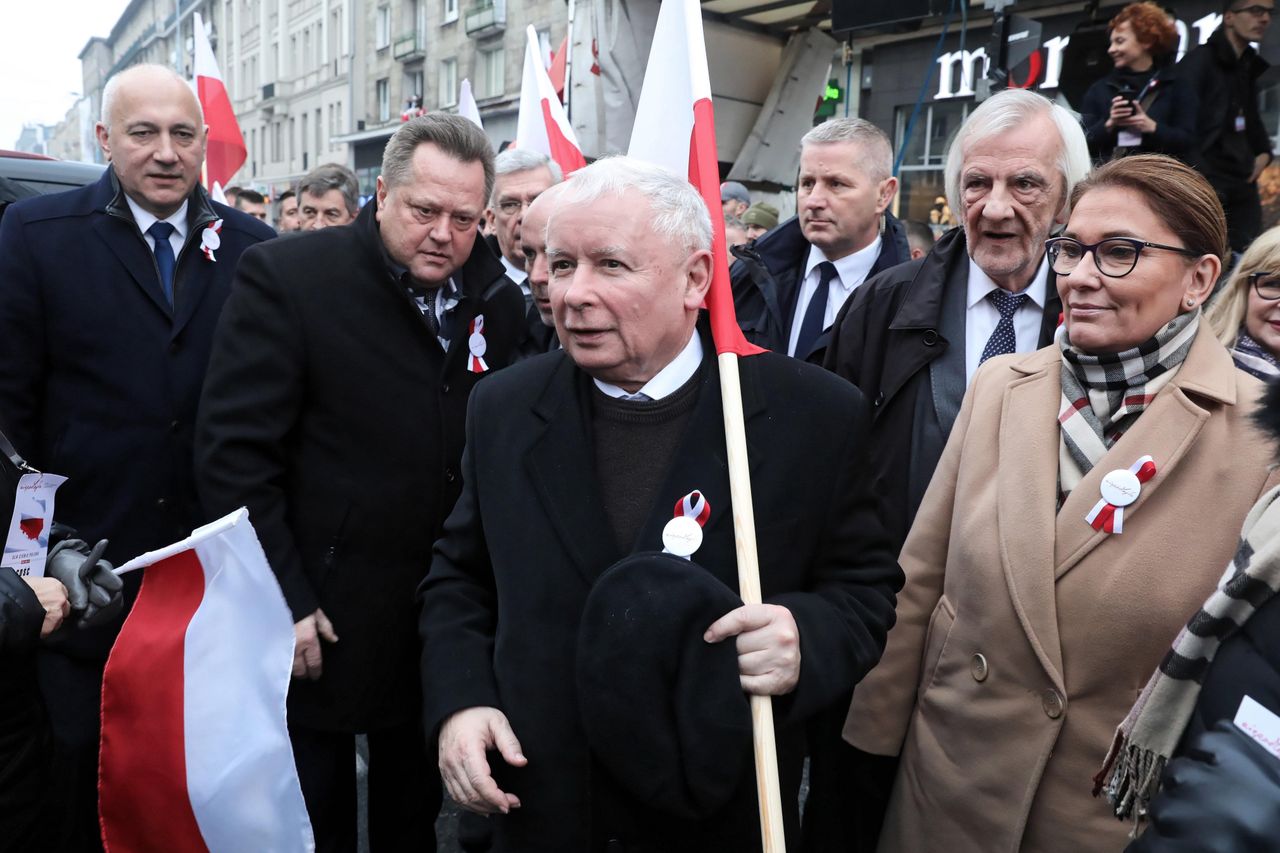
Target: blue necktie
{"x": 816, "y": 314}
{"x": 1003, "y": 340}
{"x": 165, "y": 261}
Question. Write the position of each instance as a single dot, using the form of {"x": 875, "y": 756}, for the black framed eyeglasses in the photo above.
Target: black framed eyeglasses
{"x": 1256, "y": 11}
{"x": 1266, "y": 284}
{"x": 1114, "y": 257}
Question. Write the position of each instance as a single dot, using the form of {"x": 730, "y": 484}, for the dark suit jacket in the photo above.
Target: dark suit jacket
{"x": 888, "y": 341}
{"x": 99, "y": 378}
{"x": 502, "y": 602}
{"x": 767, "y": 275}
{"x": 332, "y": 413}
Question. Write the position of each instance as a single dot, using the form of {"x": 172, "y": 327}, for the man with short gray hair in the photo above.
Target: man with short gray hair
{"x": 328, "y": 196}
{"x": 791, "y": 283}
{"x": 520, "y": 176}
{"x": 913, "y": 337}
{"x": 334, "y": 411}
{"x": 573, "y": 463}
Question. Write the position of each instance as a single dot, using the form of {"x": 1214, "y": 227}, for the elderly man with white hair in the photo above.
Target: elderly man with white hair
{"x": 573, "y": 464}
{"x": 912, "y": 338}
{"x": 520, "y": 176}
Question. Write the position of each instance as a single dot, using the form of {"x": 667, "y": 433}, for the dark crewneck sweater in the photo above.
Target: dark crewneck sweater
{"x": 634, "y": 445}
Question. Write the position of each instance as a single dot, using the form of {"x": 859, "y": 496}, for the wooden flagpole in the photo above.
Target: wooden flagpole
{"x": 768, "y": 788}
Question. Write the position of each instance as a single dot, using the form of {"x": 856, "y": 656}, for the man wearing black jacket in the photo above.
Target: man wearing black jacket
{"x": 789, "y": 285}
{"x": 334, "y": 411}
{"x": 1233, "y": 145}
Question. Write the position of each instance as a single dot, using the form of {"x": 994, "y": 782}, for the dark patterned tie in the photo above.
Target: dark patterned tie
{"x": 816, "y": 314}
{"x": 1003, "y": 340}
{"x": 165, "y": 262}
{"x": 425, "y": 297}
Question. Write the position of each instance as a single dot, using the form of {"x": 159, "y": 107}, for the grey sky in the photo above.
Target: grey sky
{"x": 40, "y": 41}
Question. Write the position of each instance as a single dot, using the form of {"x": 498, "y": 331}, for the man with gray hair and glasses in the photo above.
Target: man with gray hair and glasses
{"x": 520, "y": 176}
{"x": 334, "y": 410}
{"x": 538, "y": 656}
{"x": 328, "y": 196}
{"x": 912, "y": 338}
{"x": 789, "y": 285}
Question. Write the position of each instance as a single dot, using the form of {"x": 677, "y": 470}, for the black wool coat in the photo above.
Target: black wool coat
{"x": 99, "y": 377}
{"x": 501, "y": 605}
{"x": 884, "y": 342}
{"x": 1172, "y": 108}
{"x": 332, "y": 413}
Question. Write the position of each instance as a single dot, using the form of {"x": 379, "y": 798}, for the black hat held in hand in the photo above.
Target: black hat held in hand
{"x": 663, "y": 710}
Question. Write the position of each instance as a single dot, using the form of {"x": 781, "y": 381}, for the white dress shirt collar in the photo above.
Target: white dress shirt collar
{"x": 670, "y": 378}
{"x": 517, "y": 275}
{"x": 178, "y": 219}
{"x": 980, "y": 284}
{"x": 852, "y": 269}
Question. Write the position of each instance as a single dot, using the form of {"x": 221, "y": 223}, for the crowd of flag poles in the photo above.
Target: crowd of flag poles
{"x": 195, "y": 749}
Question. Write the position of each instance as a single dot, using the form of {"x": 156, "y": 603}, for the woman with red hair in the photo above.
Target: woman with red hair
{"x": 1141, "y": 107}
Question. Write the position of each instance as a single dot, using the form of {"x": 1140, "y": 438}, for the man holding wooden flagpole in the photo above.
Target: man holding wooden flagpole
{"x": 584, "y": 616}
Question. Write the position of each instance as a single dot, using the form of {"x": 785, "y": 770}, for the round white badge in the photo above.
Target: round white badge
{"x": 477, "y": 344}
{"x": 210, "y": 239}
{"x": 682, "y": 536}
{"x": 1120, "y": 487}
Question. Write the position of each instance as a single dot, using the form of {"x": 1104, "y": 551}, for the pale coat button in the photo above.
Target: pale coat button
{"x": 1053, "y": 703}
{"x": 978, "y": 668}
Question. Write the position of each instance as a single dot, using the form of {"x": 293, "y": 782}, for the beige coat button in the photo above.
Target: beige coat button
{"x": 978, "y": 668}
{"x": 1053, "y": 703}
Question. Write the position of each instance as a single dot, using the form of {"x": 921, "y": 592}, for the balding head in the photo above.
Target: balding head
{"x": 533, "y": 241}
{"x": 152, "y": 131}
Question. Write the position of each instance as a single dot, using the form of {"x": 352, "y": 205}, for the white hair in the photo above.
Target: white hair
{"x": 676, "y": 211}
{"x": 875, "y": 150}
{"x": 515, "y": 160}
{"x": 112, "y": 88}
{"x": 1004, "y": 111}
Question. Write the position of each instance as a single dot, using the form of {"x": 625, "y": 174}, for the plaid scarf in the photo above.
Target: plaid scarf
{"x": 1253, "y": 358}
{"x": 1145, "y": 741}
{"x": 1102, "y": 395}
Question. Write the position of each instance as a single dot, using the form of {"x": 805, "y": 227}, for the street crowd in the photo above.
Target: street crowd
{"x": 1014, "y": 501}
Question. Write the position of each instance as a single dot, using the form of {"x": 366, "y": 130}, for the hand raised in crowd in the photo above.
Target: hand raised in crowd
{"x": 1260, "y": 162}
{"x": 52, "y": 596}
{"x": 1129, "y": 115}
{"x": 768, "y": 647}
{"x": 464, "y": 739}
{"x": 307, "y": 634}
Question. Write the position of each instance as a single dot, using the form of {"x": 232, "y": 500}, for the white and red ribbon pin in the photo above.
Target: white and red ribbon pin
{"x": 209, "y": 239}
{"x": 477, "y": 345}
{"x": 682, "y": 535}
{"x": 1119, "y": 488}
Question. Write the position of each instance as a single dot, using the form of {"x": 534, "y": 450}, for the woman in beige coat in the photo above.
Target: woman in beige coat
{"x": 1037, "y": 601}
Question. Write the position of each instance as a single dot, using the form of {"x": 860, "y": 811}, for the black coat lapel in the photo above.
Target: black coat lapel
{"x": 122, "y": 239}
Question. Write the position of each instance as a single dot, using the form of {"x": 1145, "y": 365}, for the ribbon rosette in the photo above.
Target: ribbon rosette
{"x": 477, "y": 345}
{"x": 683, "y": 533}
{"x": 1120, "y": 488}
{"x": 209, "y": 240}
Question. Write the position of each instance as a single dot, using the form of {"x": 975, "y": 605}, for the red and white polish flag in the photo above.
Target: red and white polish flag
{"x": 195, "y": 753}
{"x": 675, "y": 128}
{"x": 542, "y": 124}
{"x": 226, "y": 151}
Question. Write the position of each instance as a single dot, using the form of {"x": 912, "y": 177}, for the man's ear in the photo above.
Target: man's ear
{"x": 104, "y": 139}
{"x": 887, "y": 190}
{"x": 697, "y": 274}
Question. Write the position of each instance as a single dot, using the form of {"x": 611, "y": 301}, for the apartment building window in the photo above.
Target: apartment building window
{"x": 320, "y": 146}
{"x": 293, "y": 138}
{"x": 450, "y": 11}
{"x": 308, "y": 60}
{"x": 413, "y": 83}
{"x": 305, "y": 159}
{"x": 383, "y": 89}
{"x": 448, "y": 94}
{"x": 274, "y": 70}
{"x": 293, "y": 56}
{"x": 277, "y": 130}
{"x": 382, "y": 28}
{"x": 335, "y": 33}
{"x": 491, "y": 68}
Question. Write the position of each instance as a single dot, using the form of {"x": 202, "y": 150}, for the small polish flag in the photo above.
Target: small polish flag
{"x": 542, "y": 124}
{"x": 675, "y": 128}
{"x": 195, "y": 752}
{"x": 226, "y": 151}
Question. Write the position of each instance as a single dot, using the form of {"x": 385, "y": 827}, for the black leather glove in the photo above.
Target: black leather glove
{"x": 94, "y": 589}
{"x": 1221, "y": 796}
